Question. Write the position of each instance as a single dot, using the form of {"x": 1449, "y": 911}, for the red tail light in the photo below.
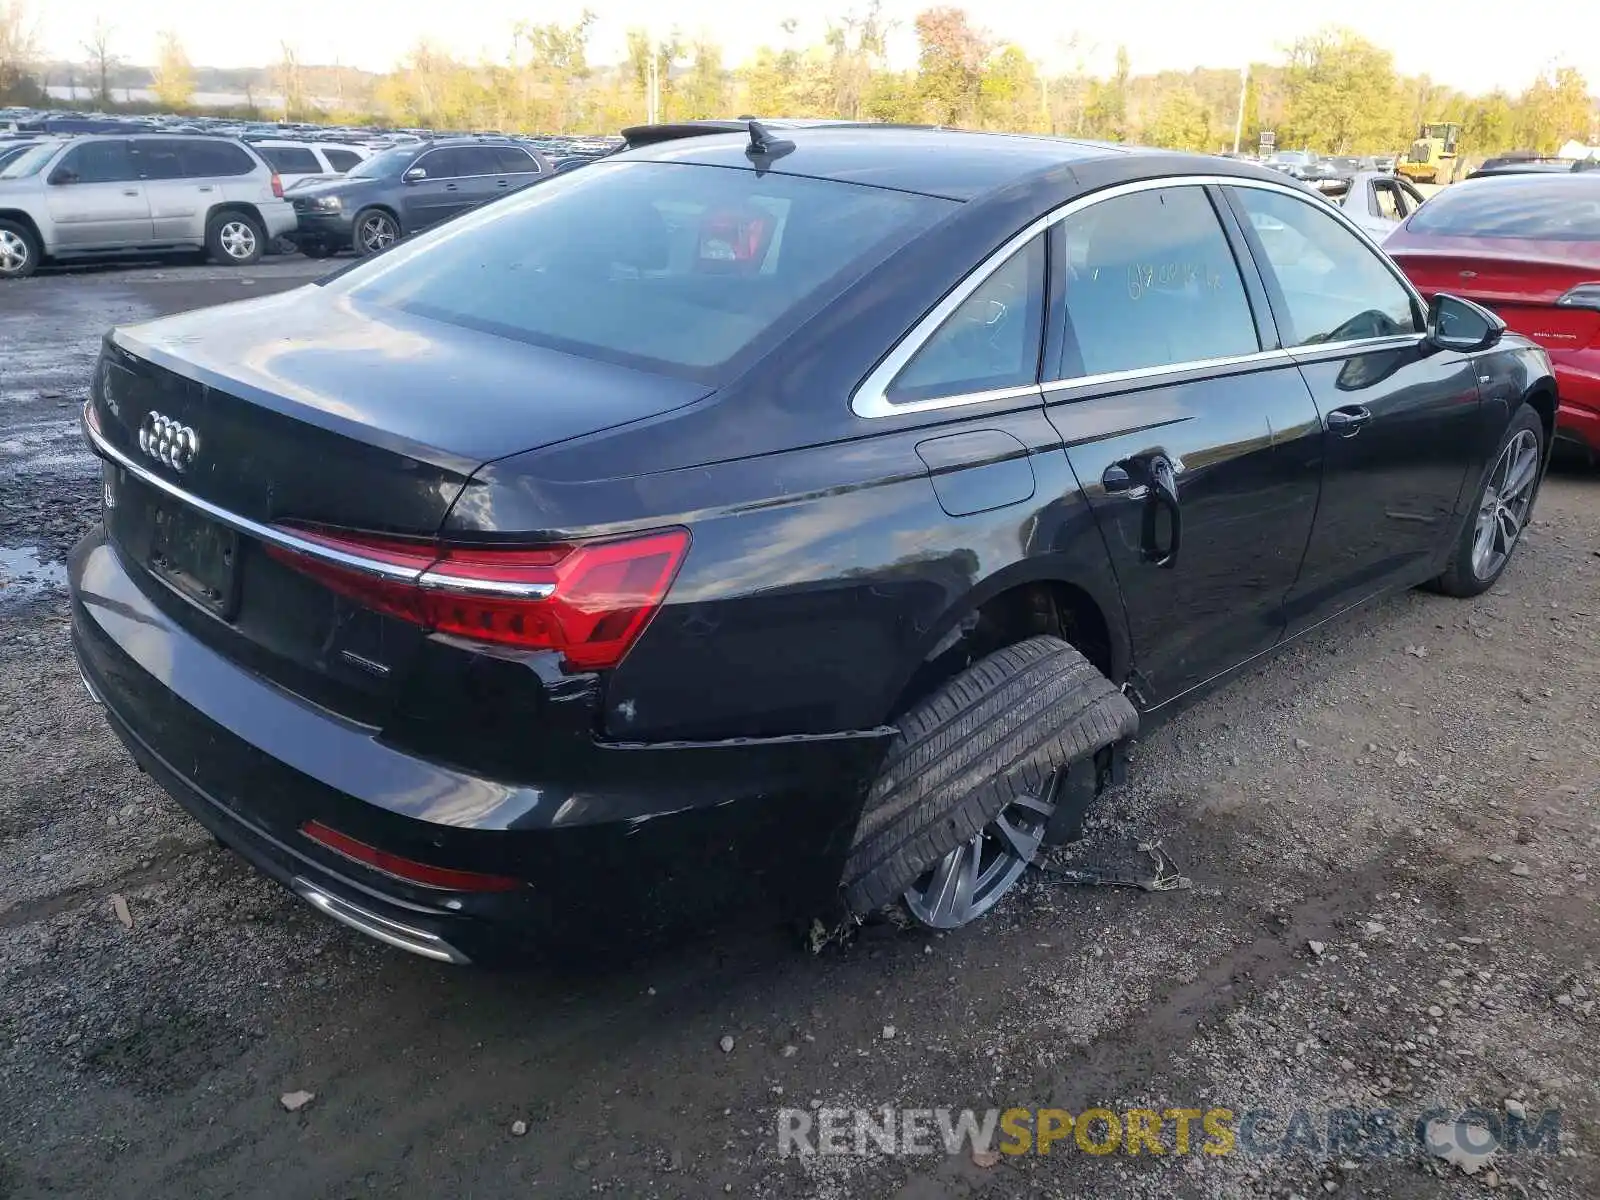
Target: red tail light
{"x": 589, "y": 601}
{"x": 407, "y": 869}
{"x": 277, "y": 186}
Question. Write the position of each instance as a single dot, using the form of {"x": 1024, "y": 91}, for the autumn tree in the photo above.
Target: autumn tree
{"x": 950, "y": 64}
{"x": 856, "y": 48}
{"x": 17, "y": 46}
{"x": 703, "y": 90}
{"x": 1343, "y": 93}
{"x": 101, "y": 59}
{"x": 1555, "y": 110}
{"x": 1105, "y": 113}
{"x": 1009, "y": 93}
{"x": 174, "y": 77}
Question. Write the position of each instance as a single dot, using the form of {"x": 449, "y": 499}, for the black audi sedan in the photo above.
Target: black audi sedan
{"x": 746, "y": 523}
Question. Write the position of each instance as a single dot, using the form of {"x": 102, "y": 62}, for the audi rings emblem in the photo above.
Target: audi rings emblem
{"x": 164, "y": 440}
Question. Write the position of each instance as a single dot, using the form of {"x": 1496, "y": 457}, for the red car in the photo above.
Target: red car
{"x": 1527, "y": 246}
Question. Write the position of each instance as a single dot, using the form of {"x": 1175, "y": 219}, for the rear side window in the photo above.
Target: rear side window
{"x": 98, "y": 162}
{"x": 158, "y": 158}
{"x": 208, "y": 158}
{"x": 1560, "y": 209}
{"x": 1152, "y": 282}
{"x": 514, "y": 161}
{"x": 477, "y": 160}
{"x": 1333, "y": 287}
{"x": 991, "y": 341}
{"x": 676, "y": 268}
{"x": 341, "y": 160}
{"x": 290, "y": 160}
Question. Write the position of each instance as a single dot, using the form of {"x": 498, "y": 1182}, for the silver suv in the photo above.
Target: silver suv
{"x": 108, "y": 194}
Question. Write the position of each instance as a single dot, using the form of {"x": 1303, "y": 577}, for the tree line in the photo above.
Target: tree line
{"x": 1333, "y": 91}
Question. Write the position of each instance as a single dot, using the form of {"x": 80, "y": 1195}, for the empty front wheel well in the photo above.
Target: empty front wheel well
{"x": 23, "y": 219}
{"x": 1051, "y": 607}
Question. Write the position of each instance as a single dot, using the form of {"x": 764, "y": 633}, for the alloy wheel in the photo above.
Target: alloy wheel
{"x": 13, "y": 253}
{"x": 238, "y": 239}
{"x": 1503, "y": 509}
{"x": 377, "y": 231}
{"x": 970, "y": 880}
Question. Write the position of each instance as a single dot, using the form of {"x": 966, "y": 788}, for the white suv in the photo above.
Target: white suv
{"x": 111, "y": 194}
{"x": 296, "y": 161}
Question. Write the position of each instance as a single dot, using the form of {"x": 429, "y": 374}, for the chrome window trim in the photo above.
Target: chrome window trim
{"x": 537, "y": 169}
{"x": 273, "y": 535}
{"x": 1262, "y": 357}
{"x": 870, "y": 398}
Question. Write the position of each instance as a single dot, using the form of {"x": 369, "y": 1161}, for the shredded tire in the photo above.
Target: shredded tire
{"x": 996, "y": 732}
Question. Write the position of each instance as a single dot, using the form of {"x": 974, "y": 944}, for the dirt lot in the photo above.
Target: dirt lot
{"x": 1416, "y": 791}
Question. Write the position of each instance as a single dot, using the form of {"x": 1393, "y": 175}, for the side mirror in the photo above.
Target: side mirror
{"x": 63, "y": 175}
{"x": 415, "y": 175}
{"x": 1457, "y": 324}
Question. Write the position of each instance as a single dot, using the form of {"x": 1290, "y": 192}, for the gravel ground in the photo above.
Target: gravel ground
{"x": 1391, "y": 827}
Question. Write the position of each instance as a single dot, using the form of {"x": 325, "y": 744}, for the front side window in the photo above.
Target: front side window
{"x": 681, "y": 269}
{"x": 442, "y": 164}
{"x": 97, "y": 162}
{"x": 1151, "y": 282}
{"x": 1331, "y": 286}
{"x": 1389, "y": 203}
{"x": 991, "y": 340}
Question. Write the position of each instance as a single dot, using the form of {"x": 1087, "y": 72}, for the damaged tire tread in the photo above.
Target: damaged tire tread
{"x": 996, "y": 732}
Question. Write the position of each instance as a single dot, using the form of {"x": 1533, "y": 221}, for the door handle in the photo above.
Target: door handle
{"x": 206, "y": 187}
{"x": 130, "y": 191}
{"x": 1163, "y": 496}
{"x": 503, "y": 183}
{"x": 1348, "y": 421}
{"x": 450, "y": 187}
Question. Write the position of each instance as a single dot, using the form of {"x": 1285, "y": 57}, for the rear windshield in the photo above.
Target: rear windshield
{"x": 1562, "y": 209}
{"x": 666, "y": 266}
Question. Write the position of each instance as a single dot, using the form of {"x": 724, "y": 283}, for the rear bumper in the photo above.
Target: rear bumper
{"x": 1578, "y": 384}
{"x": 279, "y": 217}
{"x": 634, "y": 843}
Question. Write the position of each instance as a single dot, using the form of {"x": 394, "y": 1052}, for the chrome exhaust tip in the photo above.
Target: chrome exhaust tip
{"x": 393, "y": 933}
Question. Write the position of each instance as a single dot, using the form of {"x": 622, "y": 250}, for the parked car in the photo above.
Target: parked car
{"x": 409, "y": 188}
{"x": 1298, "y": 164}
{"x": 296, "y": 162}
{"x": 1528, "y": 247}
{"x": 1379, "y": 202}
{"x": 95, "y": 196}
{"x": 747, "y": 521}
{"x": 11, "y": 149}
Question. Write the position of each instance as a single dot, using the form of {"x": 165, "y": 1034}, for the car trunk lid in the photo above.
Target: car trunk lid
{"x": 1521, "y": 280}
{"x": 300, "y": 412}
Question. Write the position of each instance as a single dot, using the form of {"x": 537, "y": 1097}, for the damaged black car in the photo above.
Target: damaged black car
{"x": 747, "y": 523}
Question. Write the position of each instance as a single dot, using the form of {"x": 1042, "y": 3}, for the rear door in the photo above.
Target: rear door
{"x": 1192, "y": 434}
{"x": 96, "y": 199}
{"x": 1401, "y": 417}
{"x": 517, "y": 168}
{"x": 176, "y": 201}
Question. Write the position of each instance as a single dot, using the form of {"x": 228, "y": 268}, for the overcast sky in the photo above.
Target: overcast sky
{"x": 1475, "y": 45}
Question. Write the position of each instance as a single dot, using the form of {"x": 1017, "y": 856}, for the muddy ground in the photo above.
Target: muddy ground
{"x": 1416, "y": 790}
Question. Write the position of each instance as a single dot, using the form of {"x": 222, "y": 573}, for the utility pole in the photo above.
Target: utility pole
{"x": 1238, "y": 121}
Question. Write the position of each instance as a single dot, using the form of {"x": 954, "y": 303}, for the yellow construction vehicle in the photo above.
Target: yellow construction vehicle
{"x": 1432, "y": 157}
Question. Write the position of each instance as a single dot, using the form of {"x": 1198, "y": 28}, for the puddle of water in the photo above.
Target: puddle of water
{"x": 24, "y": 576}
